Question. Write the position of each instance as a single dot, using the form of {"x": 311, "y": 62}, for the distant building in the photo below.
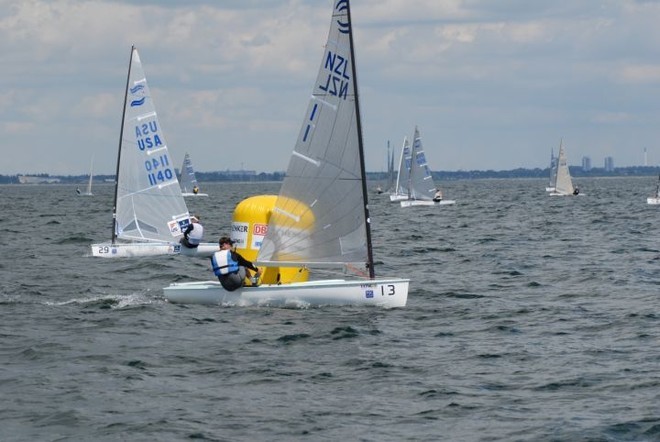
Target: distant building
{"x": 27, "y": 179}
{"x": 586, "y": 164}
{"x": 609, "y": 164}
{"x": 238, "y": 172}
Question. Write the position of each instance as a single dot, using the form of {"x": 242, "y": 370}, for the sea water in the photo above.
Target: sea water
{"x": 529, "y": 317}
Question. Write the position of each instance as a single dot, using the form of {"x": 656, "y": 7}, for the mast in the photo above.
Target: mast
{"x": 367, "y": 219}
{"x": 121, "y": 135}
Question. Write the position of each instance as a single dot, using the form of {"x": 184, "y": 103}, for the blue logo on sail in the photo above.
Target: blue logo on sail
{"x": 139, "y": 102}
{"x": 137, "y": 89}
{"x": 343, "y": 27}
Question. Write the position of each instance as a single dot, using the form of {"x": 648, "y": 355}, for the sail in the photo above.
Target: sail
{"x": 149, "y": 204}
{"x": 390, "y": 169}
{"x": 421, "y": 185}
{"x": 553, "y": 169}
{"x": 320, "y": 215}
{"x": 563, "y": 183}
{"x": 91, "y": 175}
{"x": 403, "y": 175}
{"x": 188, "y": 179}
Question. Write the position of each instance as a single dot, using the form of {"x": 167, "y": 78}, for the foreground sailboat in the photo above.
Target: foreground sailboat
{"x": 421, "y": 188}
{"x": 189, "y": 184}
{"x": 563, "y": 184}
{"x": 149, "y": 213}
{"x": 655, "y": 199}
{"x": 321, "y": 214}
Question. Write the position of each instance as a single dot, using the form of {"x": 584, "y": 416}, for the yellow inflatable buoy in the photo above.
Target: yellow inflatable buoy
{"x": 248, "y": 229}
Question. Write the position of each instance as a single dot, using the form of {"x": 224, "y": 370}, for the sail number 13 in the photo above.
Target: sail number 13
{"x": 387, "y": 290}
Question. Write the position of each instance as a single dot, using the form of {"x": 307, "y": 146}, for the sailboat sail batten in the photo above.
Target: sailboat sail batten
{"x": 306, "y": 158}
{"x": 145, "y": 116}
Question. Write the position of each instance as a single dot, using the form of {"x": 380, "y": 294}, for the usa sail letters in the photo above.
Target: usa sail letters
{"x": 338, "y": 79}
{"x": 149, "y": 140}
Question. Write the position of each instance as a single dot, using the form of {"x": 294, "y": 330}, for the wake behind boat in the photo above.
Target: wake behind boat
{"x": 308, "y": 225}
{"x": 149, "y": 213}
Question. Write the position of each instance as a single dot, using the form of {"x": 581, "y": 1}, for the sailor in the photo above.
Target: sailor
{"x": 576, "y": 191}
{"x": 193, "y": 234}
{"x": 438, "y": 196}
{"x": 78, "y": 190}
{"x": 230, "y": 267}
{"x": 195, "y": 189}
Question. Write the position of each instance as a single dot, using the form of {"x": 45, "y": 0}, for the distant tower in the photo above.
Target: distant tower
{"x": 646, "y": 158}
{"x": 609, "y": 164}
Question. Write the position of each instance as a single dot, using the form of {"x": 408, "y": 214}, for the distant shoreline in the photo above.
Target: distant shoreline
{"x": 209, "y": 177}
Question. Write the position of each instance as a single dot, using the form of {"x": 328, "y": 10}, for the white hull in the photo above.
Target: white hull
{"x": 85, "y": 194}
{"x": 554, "y": 193}
{"x": 195, "y": 194}
{"x": 397, "y": 197}
{"x": 653, "y": 200}
{"x": 130, "y": 250}
{"x": 410, "y": 203}
{"x": 377, "y": 292}
{"x": 549, "y": 189}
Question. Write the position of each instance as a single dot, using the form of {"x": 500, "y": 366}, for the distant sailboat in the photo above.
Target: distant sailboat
{"x": 563, "y": 184}
{"x": 400, "y": 191}
{"x": 421, "y": 187}
{"x": 89, "y": 184}
{"x": 189, "y": 185}
{"x": 149, "y": 214}
{"x": 655, "y": 199}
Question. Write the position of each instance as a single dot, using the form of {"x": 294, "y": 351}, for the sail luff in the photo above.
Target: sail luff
{"x": 365, "y": 202}
{"x": 121, "y": 136}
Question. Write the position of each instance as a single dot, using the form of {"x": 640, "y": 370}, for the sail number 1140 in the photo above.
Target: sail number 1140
{"x": 155, "y": 175}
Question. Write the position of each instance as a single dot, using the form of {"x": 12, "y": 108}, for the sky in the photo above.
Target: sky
{"x": 492, "y": 85}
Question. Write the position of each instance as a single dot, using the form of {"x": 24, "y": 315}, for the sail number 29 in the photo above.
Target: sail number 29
{"x": 387, "y": 290}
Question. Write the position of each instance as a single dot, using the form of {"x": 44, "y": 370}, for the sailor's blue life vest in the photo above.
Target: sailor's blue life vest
{"x": 223, "y": 263}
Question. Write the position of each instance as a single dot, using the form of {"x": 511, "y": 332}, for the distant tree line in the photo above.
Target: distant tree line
{"x": 576, "y": 171}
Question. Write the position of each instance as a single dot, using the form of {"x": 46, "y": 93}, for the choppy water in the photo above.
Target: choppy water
{"x": 529, "y": 318}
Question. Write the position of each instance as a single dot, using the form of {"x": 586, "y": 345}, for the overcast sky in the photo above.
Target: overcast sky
{"x": 491, "y": 84}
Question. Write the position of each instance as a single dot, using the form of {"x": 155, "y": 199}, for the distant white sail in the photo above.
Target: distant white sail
{"x": 189, "y": 184}
{"x": 421, "y": 185}
{"x": 563, "y": 183}
{"x": 149, "y": 204}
